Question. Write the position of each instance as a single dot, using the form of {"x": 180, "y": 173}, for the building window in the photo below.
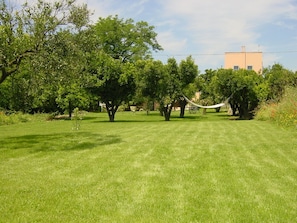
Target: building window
{"x": 249, "y": 67}
{"x": 236, "y": 68}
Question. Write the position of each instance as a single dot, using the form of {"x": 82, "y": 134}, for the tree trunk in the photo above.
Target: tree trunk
{"x": 233, "y": 108}
{"x": 204, "y": 111}
{"x": 111, "y": 110}
{"x": 182, "y": 104}
{"x": 167, "y": 112}
{"x": 244, "y": 112}
{"x": 244, "y": 105}
{"x": 70, "y": 109}
{"x": 111, "y": 115}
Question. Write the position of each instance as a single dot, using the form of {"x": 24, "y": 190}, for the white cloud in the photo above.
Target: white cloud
{"x": 210, "y": 27}
{"x": 216, "y": 26}
{"x": 104, "y": 8}
{"x": 170, "y": 43}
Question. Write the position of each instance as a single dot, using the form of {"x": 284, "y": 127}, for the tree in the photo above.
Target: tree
{"x": 124, "y": 39}
{"x": 24, "y": 32}
{"x": 113, "y": 81}
{"x": 71, "y": 97}
{"x": 116, "y": 45}
{"x": 222, "y": 84}
{"x": 59, "y": 78}
{"x": 188, "y": 71}
{"x": 149, "y": 74}
{"x": 205, "y": 84}
{"x": 170, "y": 88}
{"x": 277, "y": 78}
{"x": 241, "y": 87}
{"x": 161, "y": 83}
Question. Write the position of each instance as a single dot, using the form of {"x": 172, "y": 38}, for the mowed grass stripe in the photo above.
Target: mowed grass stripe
{"x": 142, "y": 169}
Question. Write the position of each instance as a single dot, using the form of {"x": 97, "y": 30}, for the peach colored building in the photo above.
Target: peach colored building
{"x": 244, "y": 60}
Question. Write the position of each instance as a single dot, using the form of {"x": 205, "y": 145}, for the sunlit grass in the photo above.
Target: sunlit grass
{"x": 283, "y": 113}
{"x": 143, "y": 169}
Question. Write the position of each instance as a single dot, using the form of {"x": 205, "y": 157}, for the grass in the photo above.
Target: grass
{"x": 143, "y": 169}
{"x": 284, "y": 112}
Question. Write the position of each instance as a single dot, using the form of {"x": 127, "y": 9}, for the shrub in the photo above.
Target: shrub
{"x": 13, "y": 117}
{"x": 283, "y": 113}
{"x": 266, "y": 111}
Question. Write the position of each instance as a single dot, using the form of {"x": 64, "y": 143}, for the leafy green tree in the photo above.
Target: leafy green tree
{"x": 125, "y": 40}
{"x": 71, "y": 97}
{"x": 165, "y": 83}
{"x": 170, "y": 88}
{"x": 222, "y": 84}
{"x": 188, "y": 71}
{"x": 277, "y": 78}
{"x": 204, "y": 81}
{"x": 5, "y": 94}
{"x": 59, "y": 75}
{"x": 205, "y": 84}
{"x": 113, "y": 81}
{"x": 149, "y": 74}
{"x": 160, "y": 82}
{"x": 115, "y": 46}
{"x": 241, "y": 87}
{"x": 25, "y": 31}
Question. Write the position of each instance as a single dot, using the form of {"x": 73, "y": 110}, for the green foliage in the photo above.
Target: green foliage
{"x": 188, "y": 72}
{"x": 284, "y": 112}
{"x": 77, "y": 118}
{"x": 13, "y": 118}
{"x": 5, "y": 95}
{"x": 277, "y": 78}
{"x": 112, "y": 81}
{"x": 117, "y": 44}
{"x": 25, "y": 31}
{"x": 72, "y": 96}
{"x": 242, "y": 87}
{"x": 206, "y": 86}
{"x": 124, "y": 39}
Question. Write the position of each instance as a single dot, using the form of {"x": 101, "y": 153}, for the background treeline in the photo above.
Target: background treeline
{"x": 52, "y": 60}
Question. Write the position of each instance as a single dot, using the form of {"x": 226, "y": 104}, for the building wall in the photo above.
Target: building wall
{"x": 244, "y": 60}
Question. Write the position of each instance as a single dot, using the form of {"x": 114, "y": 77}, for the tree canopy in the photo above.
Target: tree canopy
{"x": 25, "y": 31}
{"x": 125, "y": 40}
{"x": 113, "y": 81}
{"x": 53, "y": 59}
{"x": 117, "y": 45}
{"x": 240, "y": 87}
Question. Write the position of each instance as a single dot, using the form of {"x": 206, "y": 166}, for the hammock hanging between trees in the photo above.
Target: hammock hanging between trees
{"x": 202, "y": 106}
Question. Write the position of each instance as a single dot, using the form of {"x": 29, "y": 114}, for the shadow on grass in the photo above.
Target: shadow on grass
{"x": 144, "y": 118}
{"x": 59, "y": 141}
{"x": 173, "y": 118}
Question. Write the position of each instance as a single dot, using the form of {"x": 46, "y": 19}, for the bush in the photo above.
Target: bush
{"x": 283, "y": 113}
{"x": 12, "y": 118}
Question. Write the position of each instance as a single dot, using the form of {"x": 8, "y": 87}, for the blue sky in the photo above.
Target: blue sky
{"x": 206, "y": 29}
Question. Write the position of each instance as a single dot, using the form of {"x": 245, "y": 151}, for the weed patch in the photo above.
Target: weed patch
{"x": 284, "y": 113}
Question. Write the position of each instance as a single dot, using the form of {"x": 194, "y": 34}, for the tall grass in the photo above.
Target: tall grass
{"x": 13, "y": 118}
{"x": 284, "y": 113}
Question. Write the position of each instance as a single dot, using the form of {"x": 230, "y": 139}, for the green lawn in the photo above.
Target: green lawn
{"x": 143, "y": 169}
